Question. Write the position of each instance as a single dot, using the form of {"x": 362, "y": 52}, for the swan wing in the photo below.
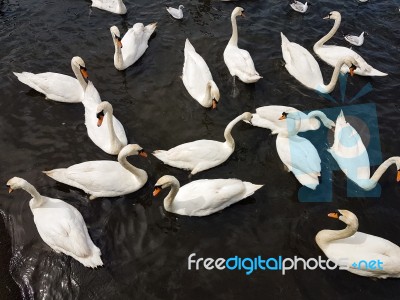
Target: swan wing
{"x": 239, "y": 62}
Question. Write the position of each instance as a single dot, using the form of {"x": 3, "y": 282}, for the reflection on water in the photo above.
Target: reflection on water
{"x": 145, "y": 249}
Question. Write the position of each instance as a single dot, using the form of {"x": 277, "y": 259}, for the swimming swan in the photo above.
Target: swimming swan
{"x": 239, "y": 61}
{"x": 201, "y": 155}
{"x": 353, "y": 249}
{"x": 298, "y": 6}
{"x": 176, "y": 13}
{"x": 114, "y": 6}
{"x": 355, "y": 40}
{"x": 304, "y": 67}
{"x": 59, "y": 87}
{"x": 60, "y": 225}
{"x": 203, "y": 197}
{"x": 331, "y": 54}
{"x": 197, "y": 78}
{"x": 132, "y": 46}
{"x": 104, "y": 178}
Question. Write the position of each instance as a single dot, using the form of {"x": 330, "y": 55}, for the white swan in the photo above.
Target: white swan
{"x": 268, "y": 117}
{"x": 298, "y": 6}
{"x": 59, "y": 87}
{"x": 110, "y": 137}
{"x": 355, "y": 40}
{"x": 352, "y": 157}
{"x": 114, "y": 6}
{"x": 304, "y": 67}
{"x": 297, "y": 153}
{"x": 197, "y": 78}
{"x": 132, "y": 46}
{"x": 104, "y": 178}
{"x": 203, "y": 197}
{"x": 201, "y": 155}
{"x": 332, "y": 54}
{"x": 176, "y": 13}
{"x": 60, "y": 225}
{"x": 239, "y": 61}
{"x": 352, "y": 249}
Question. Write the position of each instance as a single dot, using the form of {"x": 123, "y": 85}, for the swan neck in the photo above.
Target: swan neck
{"x": 172, "y": 194}
{"x": 335, "y": 76}
{"x": 234, "y": 37}
{"x": 327, "y": 236}
{"x": 318, "y": 114}
{"x": 329, "y": 35}
{"x": 37, "y": 200}
{"x": 79, "y": 76}
{"x": 115, "y": 142}
{"x": 118, "y": 58}
{"x": 227, "y": 133}
{"x": 373, "y": 181}
{"x": 128, "y": 166}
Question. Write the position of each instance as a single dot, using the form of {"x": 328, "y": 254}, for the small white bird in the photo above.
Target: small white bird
{"x": 355, "y": 40}
{"x": 298, "y": 6}
{"x": 114, "y": 6}
{"x": 176, "y": 13}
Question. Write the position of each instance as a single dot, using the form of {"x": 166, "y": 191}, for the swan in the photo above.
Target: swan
{"x": 104, "y": 178}
{"x": 59, "y": 87}
{"x": 268, "y": 117}
{"x": 114, "y": 6}
{"x": 332, "y": 54}
{"x": 297, "y": 153}
{"x": 239, "y": 61}
{"x": 203, "y": 197}
{"x": 197, "y": 78}
{"x": 110, "y": 137}
{"x": 176, "y": 13}
{"x": 132, "y": 46}
{"x": 355, "y": 40}
{"x": 352, "y": 157}
{"x": 201, "y": 155}
{"x": 304, "y": 67}
{"x": 352, "y": 249}
{"x": 60, "y": 225}
{"x": 298, "y": 6}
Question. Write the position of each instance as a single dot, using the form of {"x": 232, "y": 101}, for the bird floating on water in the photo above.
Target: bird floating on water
{"x": 355, "y": 40}
{"x": 299, "y": 6}
{"x": 176, "y": 13}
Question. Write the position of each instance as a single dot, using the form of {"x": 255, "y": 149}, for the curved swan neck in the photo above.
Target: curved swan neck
{"x": 172, "y": 193}
{"x": 324, "y": 237}
{"x": 373, "y": 181}
{"x": 118, "y": 58}
{"x": 113, "y": 137}
{"x": 227, "y": 133}
{"x": 330, "y": 34}
{"x": 122, "y": 159}
{"x": 335, "y": 76}
{"x": 318, "y": 114}
{"x": 37, "y": 200}
{"x": 79, "y": 76}
{"x": 234, "y": 38}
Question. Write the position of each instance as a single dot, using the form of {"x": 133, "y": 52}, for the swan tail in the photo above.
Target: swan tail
{"x": 375, "y": 72}
{"x": 150, "y": 28}
{"x": 92, "y": 261}
{"x": 285, "y": 49}
{"x": 189, "y": 46}
{"x": 341, "y": 121}
{"x": 160, "y": 154}
{"x": 251, "y": 188}
{"x": 28, "y": 79}
{"x": 58, "y": 175}
{"x": 309, "y": 180}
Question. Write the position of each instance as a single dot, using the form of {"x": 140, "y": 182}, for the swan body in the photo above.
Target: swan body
{"x": 132, "y": 46}
{"x": 331, "y": 54}
{"x": 203, "y": 197}
{"x": 298, "y": 6}
{"x": 110, "y": 136}
{"x": 354, "y": 247}
{"x": 201, "y": 155}
{"x": 60, "y": 225}
{"x": 268, "y": 117}
{"x": 239, "y": 61}
{"x": 59, "y": 87}
{"x": 104, "y": 178}
{"x": 176, "y": 13}
{"x": 304, "y": 67}
{"x": 298, "y": 154}
{"x": 355, "y": 40}
{"x": 114, "y": 6}
{"x": 352, "y": 157}
{"x": 197, "y": 78}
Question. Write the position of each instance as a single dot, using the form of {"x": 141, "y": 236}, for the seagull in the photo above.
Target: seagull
{"x": 298, "y": 6}
{"x": 355, "y": 40}
{"x": 176, "y": 13}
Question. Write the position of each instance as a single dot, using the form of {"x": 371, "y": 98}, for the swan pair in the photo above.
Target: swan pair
{"x": 203, "y": 197}
{"x": 352, "y": 157}
{"x": 60, "y": 225}
{"x": 176, "y": 13}
{"x": 132, "y": 46}
{"x": 114, "y": 6}
{"x": 356, "y": 247}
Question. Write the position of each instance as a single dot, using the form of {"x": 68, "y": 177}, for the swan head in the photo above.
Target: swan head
{"x": 181, "y": 6}
{"x": 345, "y": 216}
{"x": 132, "y": 149}
{"x": 214, "y": 93}
{"x": 238, "y": 11}
{"x": 292, "y": 115}
{"x": 78, "y": 63}
{"x": 247, "y": 117}
{"x": 164, "y": 182}
{"x": 333, "y": 15}
{"x": 102, "y": 109}
{"x": 116, "y": 36}
{"x": 15, "y": 183}
{"x": 351, "y": 63}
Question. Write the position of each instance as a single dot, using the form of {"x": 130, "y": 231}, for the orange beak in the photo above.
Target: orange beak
{"x": 282, "y": 117}
{"x": 351, "y": 71}
{"x": 100, "y": 121}
{"x": 214, "y": 104}
{"x": 333, "y": 215}
{"x": 10, "y": 190}
{"x": 142, "y": 153}
{"x": 156, "y": 191}
{"x": 84, "y": 73}
{"x": 398, "y": 175}
{"x": 119, "y": 43}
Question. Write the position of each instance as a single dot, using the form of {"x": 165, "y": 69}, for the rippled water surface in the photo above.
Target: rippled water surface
{"x": 145, "y": 249}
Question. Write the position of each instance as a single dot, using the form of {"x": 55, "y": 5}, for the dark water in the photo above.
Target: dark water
{"x": 144, "y": 249}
